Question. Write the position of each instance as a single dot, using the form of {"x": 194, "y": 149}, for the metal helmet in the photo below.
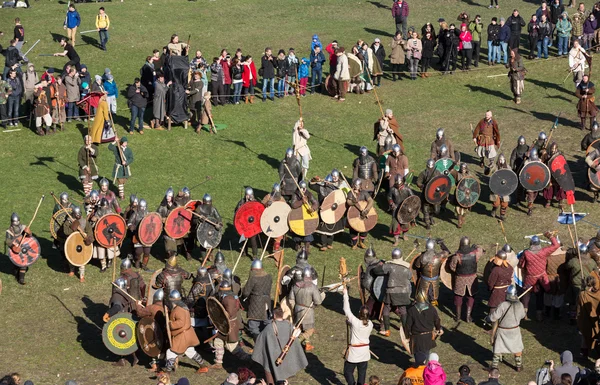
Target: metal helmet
{"x": 143, "y": 204}
{"x": 103, "y": 203}
{"x": 421, "y": 297}
{"x": 206, "y": 199}
{"x": 583, "y": 248}
{"x": 298, "y": 275}
{"x": 104, "y": 182}
{"x": 329, "y": 178}
{"x": 542, "y": 136}
{"x": 535, "y": 240}
{"x": 335, "y": 173}
{"x": 430, "y": 244}
{"x": 533, "y": 155}
{"x": 370, "y": 253}
{"x": 396, "y": 148}
{"x": 172, "y": 261}
{"x": 276, "y": 187}
{"x": 256, "y": 265}
{"x": 133, "y": 200}
{"x": 399, "y": 179}
{"x": 430, "y": 163}
{"x": 511, "y": 293}
{"x": 502, "y": 255}
{"x": 219, "y": 257}
{"x": 125, "y": 264}
{"x": 396, "y": 253}
{"x": 595, "y": 126}
{"x": 94, "y": 194}
{"x": 64, "y": 198}
{"x": 307, "y": 272}
{"x": 302, "y": 184}
{"x": 185, "y": 191}
{"x": 521, "y": 141}
{"x": 507, "y": 248}
{"x": 303, "y": 255}
{"x": 249, "y": 191}
{"x": 158, "y": 296}
{"x": 227, "y": 274}
{"x": 121, "y": 283}
{"x": 439, "y": 134}
{"x": 553, "y": 149}
{"x": 289, "y": 153}
{"x": 174, "y": 295}
{"x": 501, "y": 159}
{"x": 356, "y": 183}
{"x": 464, "y": 168}
{"x": 465, "y": 242}
{"x": 77, "y": 211}
{"x": 443, "y": 150}
{"x": 225, "y": 285}
{"x": 202, "y": 271}
{"x": 169, "y": 192}
{"x": 363, "y": 151}
{"x": 14, "y": 219}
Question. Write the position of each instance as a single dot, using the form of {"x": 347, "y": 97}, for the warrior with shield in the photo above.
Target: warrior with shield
{"x": 86, "y": 160}
{"x": 91, "y": 203}
{"x": 486, "y": 137}
{"x": 367, "y": 279}
{"x": 155, "y": 311}
{"x": 14, "y": 235}
{"x": 428, "y": 265}
{"x": 553, "y": 190}
{"x": 143, "y": 237}
{"x": 202, "y": 288}
{"x": 365, "y": 168}
{"x": 110, "y": 196}
{"x": 397, "y": 290}
{"x": 302, "y": 196}
{"x": 517, "y": 160}
{"x": 424, "y": 178}
{"x": 78, "y": 223}
{"x": 171, "y": 278}
{"x": 209, "y": 217}
{"x": 530, "y": 195}
{"x": 591, "y": 136}
{"x": 135, "y": 285}
{"x": 362, "y": 201}
{"x": 274, "y": 196}
{"x": 303, "y": 298}
{"x": 123, "y": 159}
{"x": 101, "y": 252}
{"x": 249, "y": 197}
{"x": 332, "y": 203}
{"x": 436, "y": 146}
{"x": 395, "y": 164}
{"x": 592, "y": 159}
{"x": 464, "y": 265}
{"x": 467, "y": 192}
{"x": 397, "y": 195}
{"x": 258, "y": 293}
{"x": 166, "y": 206}
{"x": 500, "y": 201}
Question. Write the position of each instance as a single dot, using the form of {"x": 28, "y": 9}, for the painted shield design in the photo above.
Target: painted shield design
{"x": 150, "y": 335}
{"x": 467, "y": 192}
{"x": 273, "y": 221}
{"x": 446, "y": 274}
{"x": 302, "y": 222}
{"x": 444, "y": 166}
{"x": 110, "y": 230}
{"x": 503, "y": 182}
{"x": 193, "y": 204}
{"x": 178, "y": 223}
{"x": 561, "y": 172}
{"x": 594, "y": 145}
{"x": 247, "y": 219}
{"x": 218, "y": 315}
{"x": 534, "y": 176}
{"x": 379, "y": 287}
{"x": 333, "y": 207}
{"x": 57, "y": 220}
{"x": 359, "y": 224}
{"x": 208, "y": 235}
{"x": 30, "y": 252}
{"x": 118, "y": 334}
{"x": 76, "y": 251}
{"x": 594, "y": 178}
{"x": 149, "y": 229}
{"x": 438, "y": 189}
{"x": 408, "y": 209}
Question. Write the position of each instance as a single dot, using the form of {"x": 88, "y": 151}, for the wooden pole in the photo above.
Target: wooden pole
{"x": 168, "y": 326}
{"x": 239, "y": 256}
{"x": 571, "y": 234}
{"x": 33, "y": 218}
{"x": 206, "y": 256}
{"x": 577, "y": 237}
{"x": 265, "y": 249}
{"x": 83, "y": 234}
{"x": 277, "y": 285}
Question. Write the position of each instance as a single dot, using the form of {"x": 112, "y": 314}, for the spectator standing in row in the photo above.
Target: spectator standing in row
{"x": 577, "y": 20}
{"x": 493, "y": 42}
{"x": 589, "y": 28}
{"x": 137, "y": 95}
{"x": 72, "y": 82}
{"x": 379, "y": 53}
{"x": 556, "y": 10}
{"x": 476, "y": 29}
{"x": 159, "y": 102}
{"x": 147, "y": 75}
{"x": 414, "y": 374}
{"x": 12, "y": 59}
{"x": 102, "y": 26}
{"x": 331, "y": 50}
{"x": 217, "y": 78}
{"x": 14, "y": 99}
{"x": 342, "y": 74}
{"x": 226, "y": 64}
{"x": 398, "y": 55}
{"x": 515, "y": 22}
{"x": 563, "y": 28}
{"x": 237, "y": 70}
{"x": 281, "y": 64}
{"x": 303, "y": 76}
{"x": 30, "y": 79}
{"x": 400, "y": 14}
{"x": 249, "y": 79}
{"x": 493, "y": 377}
{"x": 414, "y": 51}
{"x": 505, "y": 35}
{"x": 533, "y": 32}
{"x": 5, "y": 91}
{"x": 292, "y": 71}
{"x": 543, "y": 37}
{"x": 112, "y": 93}
{"x": 428, "y": 43}
{"x": 19, "y": 36}
{"x": 317, "y": 59}
{"x": 267, "y": 69}
{"x": 465, "y": 46}
{"x": 72, "y": 22}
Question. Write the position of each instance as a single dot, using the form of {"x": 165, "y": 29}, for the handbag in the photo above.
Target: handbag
{"x": 496, "y": 42}
{"x": 467, "y": 45}
{"x": 261, "y": 71}
{"x": 417, "y": 55}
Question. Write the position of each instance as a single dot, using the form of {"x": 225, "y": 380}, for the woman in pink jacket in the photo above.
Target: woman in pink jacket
{"x": 434, "y": 373}
{"x": 465, "y": 47}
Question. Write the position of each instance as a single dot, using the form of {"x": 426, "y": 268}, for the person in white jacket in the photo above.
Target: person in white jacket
{"x": 357, "y": 353}
{"x": 300, "y": 137}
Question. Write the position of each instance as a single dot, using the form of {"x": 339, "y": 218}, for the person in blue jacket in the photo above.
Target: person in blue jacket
{"x": 72, "y": 21}
{"x": 303, "y": 75}
{"x": 504, "y": 38}
{"x": 317, "y": 58}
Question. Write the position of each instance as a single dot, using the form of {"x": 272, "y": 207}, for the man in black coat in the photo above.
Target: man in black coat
{"x": 379, "y": 53}
{"x": 267, "y": 71}
{"x": 493, "y": 376}
{"x": 258, "y": 293}
{"x": 450, "y": 43}
{"x": 515, "y": 23}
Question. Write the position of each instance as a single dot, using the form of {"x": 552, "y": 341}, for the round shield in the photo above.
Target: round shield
{"x": 193, "y": 204}
{"x": 29, "y": 253}
{"x": 561, "y": 172}
{"x": 150, "y": 336}
{"x": 593, "y": 146}
{"x": 273, "y": 220}
{"x": 302, "y": 222}
{"x": 110, "y": 230}
{"x": 329, "y": 87}
{"x": 379, "y": 287}
{"x": 359, "y": 224}
{"x": 247, "y": 219}
{"x": 444, "y": 165}
{"x": 503, "y": 182}
{"x": 517, "y": 272}
{"x": 77, "y": 252}
{"x": 467, "y": 191}
{"x": 534, "y": 176}
{"x": 208, "y": 236}
{"x": 57, "y": 221}
{"x": 149, "y": 229}
{"x": 438, "y": 189}
{"x": 178, "y": 223}
{"x": 408, "y": 209}
{"x": 218, "y": 315}
{"x": 118, "y": 334}
{"x": 446, "y": 274}
{"x": 594, "y": 178}
{"x": 333, "y": 207}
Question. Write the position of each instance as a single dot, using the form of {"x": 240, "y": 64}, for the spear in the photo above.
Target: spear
{"x": 30, "y": 48}
{"x": 33, "y": 218}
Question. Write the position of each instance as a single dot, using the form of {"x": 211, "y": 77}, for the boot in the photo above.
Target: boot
{"x": 135, "y": 360}
{"x": 121, "y": 362}
{"x": 200, "y": 361}
{"x": 308, "y": 347}
{"x": 385, "y": 326}
{"x": 246, "y": 100}
{"x": 556, "y": 313}
{"x": 496, "y": 358}
{"x": 519, "y": 363}
{"x": 21, "y": 278}
{"x": 469, "y": 318}
{"x": 460, "y": 221}
{"x": 361, "y": 244}
{"x": 457, "y": 313}
{"x": 145, "y": 261}
{"x": 539, "y": 315}
{"x": 188, "y": 256}
{"x": 307, "y": 247}
{"x": 138, "y": 264}
{"x": 251, "y": 99}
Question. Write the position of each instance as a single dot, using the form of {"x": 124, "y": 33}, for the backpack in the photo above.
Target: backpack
{"x": 542, "y": 376}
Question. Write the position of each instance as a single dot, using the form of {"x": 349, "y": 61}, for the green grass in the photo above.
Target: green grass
{"x": 50, "y": 329}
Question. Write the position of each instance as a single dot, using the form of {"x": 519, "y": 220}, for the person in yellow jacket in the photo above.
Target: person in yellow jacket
{"x": 99, "y": 119}
{"x": 102, "y": 25}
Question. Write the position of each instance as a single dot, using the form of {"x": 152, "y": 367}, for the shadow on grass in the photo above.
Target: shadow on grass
{"x": 379, "y": 5}
{"x": 562, "y": 121}
{"x": 274, "y": 163}
{"x": 378, "y": 32}
{"x": 498, "y": 94}
{"x": 555, "y": 86}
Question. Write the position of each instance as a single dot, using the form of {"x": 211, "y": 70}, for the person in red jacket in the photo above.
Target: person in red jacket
{"x": 225, "y": 60}
{"x": 331, "y": 47}
{"x": 533, "y": 263}
{"x": 249, "y": 77}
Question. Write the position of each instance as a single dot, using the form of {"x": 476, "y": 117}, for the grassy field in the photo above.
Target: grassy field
{"x": 50, "y": 328}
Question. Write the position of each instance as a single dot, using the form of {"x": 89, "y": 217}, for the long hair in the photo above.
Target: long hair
{"x": 363, "y": 315}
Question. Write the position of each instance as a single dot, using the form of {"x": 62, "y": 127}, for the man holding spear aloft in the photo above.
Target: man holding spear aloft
{"x": 123, "y": 158}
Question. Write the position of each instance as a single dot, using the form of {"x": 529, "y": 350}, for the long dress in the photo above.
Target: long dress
{"x": 159, "y": 108}
{"x": 99, "y": 119}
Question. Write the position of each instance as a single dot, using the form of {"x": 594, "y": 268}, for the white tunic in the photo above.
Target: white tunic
{"x": 359, "y": 335}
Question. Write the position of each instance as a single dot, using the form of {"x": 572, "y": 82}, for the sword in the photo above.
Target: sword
{"x": 90, "y": 31}
{"x": 46, "y": 54}
{"x": 127, "y": 294}
{"x": 30, "y": 48}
